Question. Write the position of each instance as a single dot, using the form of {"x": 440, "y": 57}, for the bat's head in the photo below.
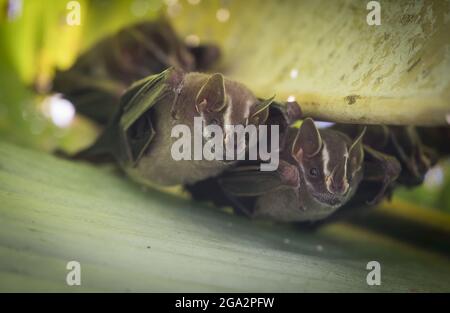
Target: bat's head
{"x": 226, "y": 103}
{"x": 330, "y": 164}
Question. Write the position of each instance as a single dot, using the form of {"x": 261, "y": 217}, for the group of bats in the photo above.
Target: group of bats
{"x": 141, "y": 82}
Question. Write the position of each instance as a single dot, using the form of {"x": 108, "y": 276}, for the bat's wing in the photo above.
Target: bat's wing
{"x": 415, "y": 157}
{"x": 249, "y": 180}
{"x": 241, "y": 186}
{"x": 381, "y": 170}
{"x": 94, "y": 83}
{"x": 96, "y": 98}
{"x": 100, "y": 75}
{"x": 131, "y": 130}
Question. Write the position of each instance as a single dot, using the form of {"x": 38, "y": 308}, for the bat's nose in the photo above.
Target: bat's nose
{"x": 340, "y": 187}
{"x": 337, "y": 182}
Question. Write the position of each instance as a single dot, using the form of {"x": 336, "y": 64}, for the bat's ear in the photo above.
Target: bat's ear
{"x": 260, "y": 112}
{"x": 211, "y": 97}
{"x": 356, "y": 153}
{"x": 308, "y": 141}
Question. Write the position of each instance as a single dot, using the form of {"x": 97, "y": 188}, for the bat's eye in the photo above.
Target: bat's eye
{"x": 314, "y": 172}
{"x": 214, "y": 122}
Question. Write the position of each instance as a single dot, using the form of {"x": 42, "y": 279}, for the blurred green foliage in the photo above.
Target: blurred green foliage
{"x": 35, "y": 40}
{"x": 435, "y": 192}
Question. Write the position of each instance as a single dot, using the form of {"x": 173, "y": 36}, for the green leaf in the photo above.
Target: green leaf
{"x": 347, "y": 71}
{"x": 54, "y": 211}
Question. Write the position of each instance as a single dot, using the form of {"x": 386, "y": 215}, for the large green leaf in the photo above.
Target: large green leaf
{"x": 127, "y": 239}
{"x": 396, "y": 73}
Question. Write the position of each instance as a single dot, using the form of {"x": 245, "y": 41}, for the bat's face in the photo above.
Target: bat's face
{"x": 331, "y": 167}
{"x": 226, "y": 103}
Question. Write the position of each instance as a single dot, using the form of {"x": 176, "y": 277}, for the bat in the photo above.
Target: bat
{"x": 384, "y": 157}
{"x": 141, "y": 83}
{"x": 101, "y": 75}
{"x": 139, "y": 138}
{"x": 319, "y": 171}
